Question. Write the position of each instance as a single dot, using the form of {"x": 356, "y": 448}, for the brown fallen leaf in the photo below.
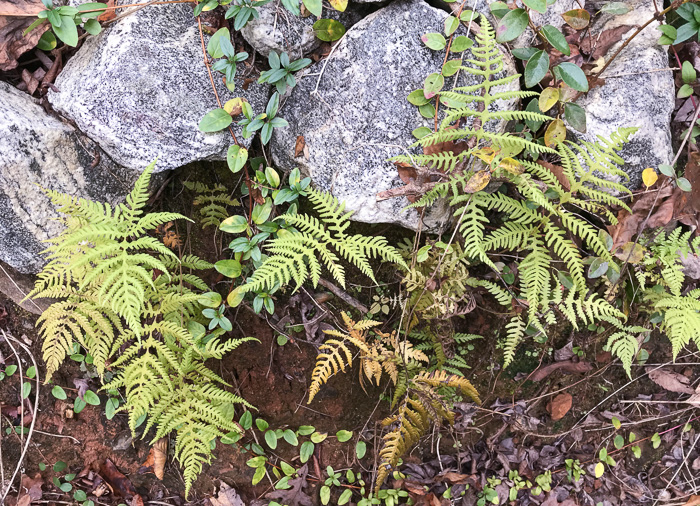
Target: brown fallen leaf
{"x": 227, "y": 496}
{"x": 671, "y": 381}
{"x": 30, "y": 490}
{"x": 565, "y": 366}
{"x": 693, "y": 501}
{"x": 108, "y": 15}
{"x": 299, "y": 146}
{"x": 120, "y": 484}
{"x": 597, "y": 45}
{"x": 160, "y": 456}
{"x": 560, "y": 406}
{"x": 15, "y": 17}
{"x": 558, "y": 172}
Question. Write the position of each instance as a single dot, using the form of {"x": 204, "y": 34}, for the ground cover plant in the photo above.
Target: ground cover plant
{"x": 543, "y": 237}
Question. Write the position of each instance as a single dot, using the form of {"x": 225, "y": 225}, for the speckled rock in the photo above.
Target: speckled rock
{"x": 635, "y": 94}
{"x": 139, "y": 89}
{"x": 355, "y": 115}
{"x": 278, "y": 30}
{"x": 37, "y": 150}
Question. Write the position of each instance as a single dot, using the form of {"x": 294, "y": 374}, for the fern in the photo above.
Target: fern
{"x": 298, "y": 254}
{"x": 213, "y": 201}
{"x": 126, "y": 298}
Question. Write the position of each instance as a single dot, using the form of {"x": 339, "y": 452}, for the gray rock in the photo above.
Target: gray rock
{"x": 635, "y": 94}
{"x": 139, "y": 89}
{"x": 40, "y": 151}
{"x": 279, "y": 30}
{"x": 353, "y": 114}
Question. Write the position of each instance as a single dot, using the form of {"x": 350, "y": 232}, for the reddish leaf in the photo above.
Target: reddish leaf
{"x": 119, "y": 483}
{"x": 560, "y": 406}
{"x": 597, "y": 45}
{"x": 299, "y": 146}
{"x": 566, "y": 366}
{"x": 108, "y": 15}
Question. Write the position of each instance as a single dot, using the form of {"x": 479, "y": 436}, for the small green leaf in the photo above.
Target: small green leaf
{"x": 66, "y": 487}
{"x": 655, "y": 440}
{"x": 556, "y": 39}
{"x": 318, "y": 437}
{"x": 47, "y": 42}
{"x": 215, "y": 120}
{"x": 572, "y": 75}
{"x": 684, "y": 184}
{"x": 10, "y": 369}
{"x": 305, "y": 430}
{"x": 533, "y": 106}
{"x": 26, "y": 389}
{"x": 597, "y": 268}
{"x": 636, "y": 451}
{"x": 328, "y": 30}
{"x": 234, "y": 224}
{"x": 667, "y": 170}
{"x": 616, "y": 423}
{"x": 345, "y": 497}
{"x": 451, "y": 25}
{"x": 421, "y": 132}
{"x": 615, "y": 8}
{"x": 576, "y": 116}
{"x": 433, "y": 84}
{"x": 91, "y": 398}
{"x": 79, "y": 495}
{"x": 258, "y": 476}
{"x": 538, "y": 5}
{"x": 59, "y": 466}
{"x": 42, "y": 466}
{"x": 511, "y": 25}
{"x": 619, "y": 441}
{"x": 417, "y": 98}
{"x": 271, "y": 439}
{"x": 360, "y": 449}
{"x": 287, "y": 469}
{"x": 315, "y": 7}
{"x": 688, "y": 73}
{"x": 306, "y": 450}
{"x": 92, "y": 26}
{"x": 536, "y": 68}
{"x": 67, "y": 32}
{"x": 31, "y": 372}
{"x": 451, "y": 67}
{"x": 461, "y": 43}
{"x": 230, "y": 268}
{"x": 325, "y": 494}
{"x": 343, "y": 435}
{"x": 236, "y": 157}
{"x": 111, "y": 407}
{"x": 685, "y": 91}
{"x": 524, "y": 53}
{"x": 434, "y": 41}
{"x": 670, "y": 34}
{"x": 290, "y": 437}
{"x": 256, "y": 462}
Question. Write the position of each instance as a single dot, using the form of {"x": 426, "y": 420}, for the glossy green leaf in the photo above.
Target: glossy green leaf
{"x": 576, "y": 116}
{"x": 360, "y": 449}
{"x": 421, "y": 132}
{"x": 230, "y": 268}
{"x": 524, "y": 53}
{"x": 67, "y": 32}
{"x": 461, "y": 43}
{"x": 536, "y": 68}
{"x": 417, "y": 98}
{"x": 688, "y": 73}
{"x": 451, "y": 25}
{"x": 573, "y": 76}
{"x": 556, "y": 39}
{"x": 511, "y": 25}
{"x": 59, "y": 393}
{"x": 290, "y": 437}
{"x": 234, "y": 225}
{"x": 685, "y": 91}
{"x": 537, "y": 5}
{"x": 433, "y": 84}
{"x": 214, "y": 47}
{"x": 328, "y": 30}
{"x": 258, "y": 476}
{"x": 47, "y": 42}
{"x": 670, "y": 34}
{"x": 451, "y": 67}
{"x": 271, "y": 439}
{"x": 684, "y": 184}
{"x": 597, "y": 268}
{"x": 667, "y": 170}
{"x": 434, "y": 41}
{"x": 499, "y": 9}
{"x": 345, "y": 497}
{"x": 533, "y": 106}
{"x": 314, "y": 6}
{"x": 215, "y": 120}
{"x": 236, "y": 157}
{"x": 26, "y": 389}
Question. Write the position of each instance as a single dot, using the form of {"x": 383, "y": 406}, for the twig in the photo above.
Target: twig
{"x": 347, "y": 298}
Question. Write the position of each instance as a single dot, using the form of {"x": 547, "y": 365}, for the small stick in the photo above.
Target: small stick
{"x": 349, "y": 299}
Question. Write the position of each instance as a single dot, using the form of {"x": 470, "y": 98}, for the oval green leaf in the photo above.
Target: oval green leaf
{"x": 236, "y": 157}
{"x": 328, "y": 30}
{"x": 59, "y": 393}
{"x": 573, "y": 76}
{"x": 91, "y": 398}
{"x": 576, "y": 116}
{"x": 556, "y": 39}
{"x": 215, "y": 120}
{"x": 511, "y": 25}
{"x": 230, "y": 268}
{"x": 306, "y": 450}
{"x": 434, "y": 41}
{"x": 536, "y": 68}
{"x": 433, "y": 84}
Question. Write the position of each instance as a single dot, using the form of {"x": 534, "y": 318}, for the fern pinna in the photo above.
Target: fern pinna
{"x": 123, "y": 294}
{"x": 534, "y": 213}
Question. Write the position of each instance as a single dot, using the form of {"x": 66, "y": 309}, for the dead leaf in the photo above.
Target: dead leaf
{"x": 671, "y": 381}
{"x": 692, "y": 174}
{"x": 558, "y": 172}
{"x": 160, "y": 455}
{"x": 294, "y": 496}
{"x": 478, "y": 181}
{"x": 663, "y": 214}
{"x": 565, "y": 366}
{"x": 631, "y": 253}
{"x": 30, "y": 490}
{"x": 119, "y": 483}
{"x": 299, "y": 146}
{"x": 560, "y": 406}
{"x": 227, "y": 497}
{"x": 15, "y": 17}
{"x": 597, "y": 45}
{"x": 82, "y": 386}
{"x": 693, "y": 501}
{"x": 108, "y": 15}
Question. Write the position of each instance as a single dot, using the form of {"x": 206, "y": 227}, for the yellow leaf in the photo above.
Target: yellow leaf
{"x": 478, "y": 181}
{"x": 599, "y": 469}
{"x": 548, "y": 98}
{"x": 486, "y": 154}
{"x": 512, "y": 165}
{"x": 555, "y": 133}
{"x": 649, "y": 176}
{"x": 234, "y": 106}
{"x": 339, "y": 5}
{"x": 636, "y": 250}
{"x": 599, "y": 64}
